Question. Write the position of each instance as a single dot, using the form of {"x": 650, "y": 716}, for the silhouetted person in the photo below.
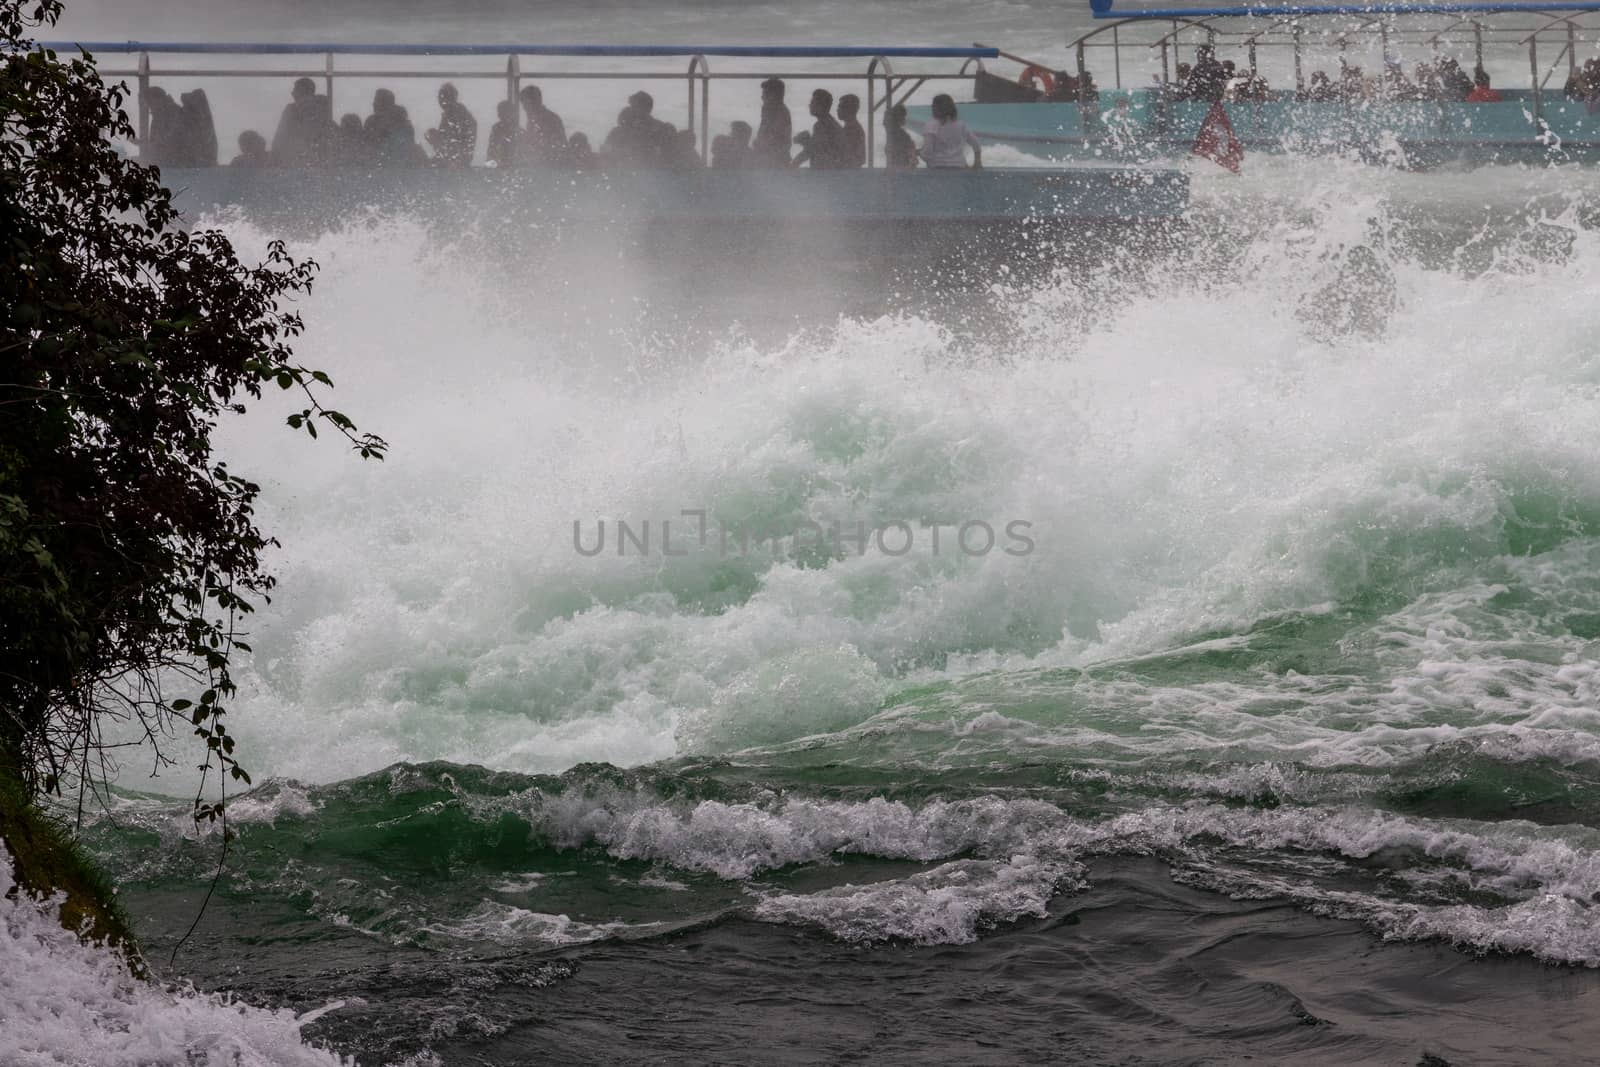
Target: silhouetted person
{"x": 1320, "y": 90}
{"x": 684, "y": 154}
{"x": 776, "y": 132}
{"x": 824, "y": 149}
{"x": 899, "y": 151}
{"x": 579, "y": 155}
{"x": 1208, "y": 78}
{"x": 350, "y": 148}
{"x": 1248, "y": 87}
{"x": 731, "y": 150}
{"x": 503, "y": 136}
{"x": 391, "y": 138}
{"x": 544, "y": 140}
{"x": 1178, "y": 89}
{"x": 199, "y": 131}
{"x": 1574, "y": 89}
{"x": 855, "y": 136}
{"x": 1065, "y": 90}
{"x": 1454, "y": 80}
{"x": 627, "y": 146}
{"x": 163, "y": 144}
{"x": 1482, "y": 92}
{"x": 1088, "y": 91}
{"x": 252, "y": 151}
{"x": 304, "y": 129}
{"x": 1425, "y": 77}
{"x": 660, "y": 137}
{"x": 1352, "y": 83}
{"x": 456, "y": 137}
{"x": 1396, "y": 84}
{"x": 945, "y": 138}
{"x": 1584, "y": 82}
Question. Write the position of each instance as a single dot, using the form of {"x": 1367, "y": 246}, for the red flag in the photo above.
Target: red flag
{"x": 1216, "y": 140}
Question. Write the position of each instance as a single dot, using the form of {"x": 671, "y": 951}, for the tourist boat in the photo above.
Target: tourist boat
{"x": 872, "y": 209}
{"x": 1121, "y": 97}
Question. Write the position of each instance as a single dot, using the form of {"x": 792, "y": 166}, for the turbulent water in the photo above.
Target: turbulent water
{"x": 1267, "y": 726}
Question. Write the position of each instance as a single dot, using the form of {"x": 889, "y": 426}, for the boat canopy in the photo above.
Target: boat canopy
{"x": 614, "y": 50}
{"x": 885, "y": 85}
{"x": 1564, "y": 25}
{"x": 1105, "y": 9}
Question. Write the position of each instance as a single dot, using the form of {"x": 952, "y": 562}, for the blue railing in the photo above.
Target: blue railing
{"x": 1103, "y": 9}
{"x": 635, "y": 51}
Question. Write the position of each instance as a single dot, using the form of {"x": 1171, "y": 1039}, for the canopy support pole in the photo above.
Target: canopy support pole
{"x": 144, "y": 101}
{"x": 698, "y": 66}
{"x": 880, "y": 65}
{"x": 1533, "y": 66}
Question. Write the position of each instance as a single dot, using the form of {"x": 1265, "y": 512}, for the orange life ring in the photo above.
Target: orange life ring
{"x": 1033, "y": 72}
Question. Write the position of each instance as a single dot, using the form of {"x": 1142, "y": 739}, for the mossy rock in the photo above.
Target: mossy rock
{"x": 46, "y": 861}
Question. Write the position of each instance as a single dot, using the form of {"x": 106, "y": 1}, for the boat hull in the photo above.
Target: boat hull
{"x": 1079, "y": 194}
{"x": 722, "y": 217}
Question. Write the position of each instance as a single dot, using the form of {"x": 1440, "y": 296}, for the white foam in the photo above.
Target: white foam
{"x": 1184, "y": 474}
{"x": 68, "y": 1003}
{"x": 1003, "y": 859}
{"x": 506, "y": 924}
{"x": 948, "y": 905}
{"x": 735, "y": 841}
{"x": 270, "y": 803}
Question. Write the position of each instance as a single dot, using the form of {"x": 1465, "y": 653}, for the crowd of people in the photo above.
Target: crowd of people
{"x": 1210, "y": 79}
{"x": 1584, "y": 83}
{"x": 1440, "y": 81}
{"x": 184, "y": 135}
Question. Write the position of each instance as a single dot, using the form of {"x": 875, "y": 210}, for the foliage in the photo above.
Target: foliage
{"x": 49, "y": 863}
{"x": 129, "y": 552}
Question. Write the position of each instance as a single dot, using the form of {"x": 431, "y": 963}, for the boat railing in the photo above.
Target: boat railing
{"x": 885, "y": 86}
{"x": 1437, "y": 27}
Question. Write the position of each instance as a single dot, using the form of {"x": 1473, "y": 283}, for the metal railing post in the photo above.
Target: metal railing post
{"x": 1083, "y": 95}
{"x": 513, "y": 82}
{"x": 144, "y": 102}
{"x": 877, "y": 63}
{"x": 1383, "y": 73}
{"x": 1533, "y": 66}
{"x": 700, "y": 64}
{"x": 1299, "y": 68}
{"x": 327, "y": 85}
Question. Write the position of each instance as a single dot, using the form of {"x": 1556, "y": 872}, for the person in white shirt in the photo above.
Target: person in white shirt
{"x": 945, "y": 138}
